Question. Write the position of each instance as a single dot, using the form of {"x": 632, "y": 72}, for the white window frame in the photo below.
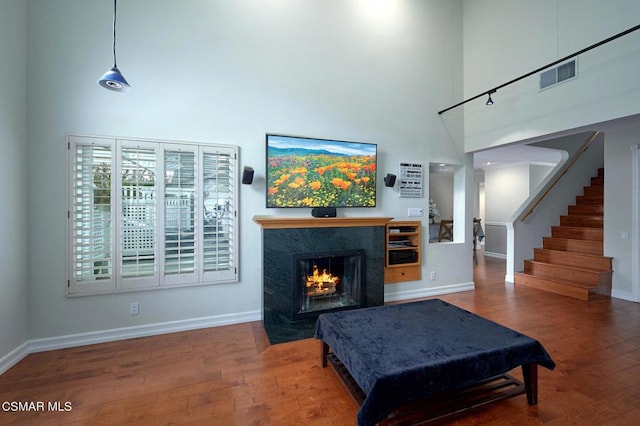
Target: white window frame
{"x": 115, "y": 282}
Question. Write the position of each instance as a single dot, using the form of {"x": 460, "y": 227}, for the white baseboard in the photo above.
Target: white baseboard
{"x": 93, "y": 337}
{"x": 13, "y": 357}
{"x": 427, "y": 292}
{"x": 495, "y": 255}
{"x": 624, "y": 295}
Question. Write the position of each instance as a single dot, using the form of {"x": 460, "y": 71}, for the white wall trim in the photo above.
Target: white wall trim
{"x": 490, "y": 223}
{"x": 496, "y": 255}
{"x": 623, "y": 295}
{"x": 519, "y": 164}
{"x": 427, "y": 292}
{"x": 103, "y": 336}
{"x": 635, "y": 225}
{"x": 13, "y": 357}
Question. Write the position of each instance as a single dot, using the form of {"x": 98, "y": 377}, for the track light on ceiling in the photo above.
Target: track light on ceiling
{"x": 113, "y": 79}
{"x": 579, "y": 52}
{"x": 490, "y": 101}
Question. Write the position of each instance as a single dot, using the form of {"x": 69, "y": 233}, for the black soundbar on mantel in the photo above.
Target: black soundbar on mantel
{"x": 323, "y": 212}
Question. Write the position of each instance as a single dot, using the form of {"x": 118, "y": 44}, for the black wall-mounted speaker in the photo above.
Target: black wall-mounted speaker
{"x": 323, "y": 212}
{"x": 247, "y": 175}
{"x": 389, "y": 180}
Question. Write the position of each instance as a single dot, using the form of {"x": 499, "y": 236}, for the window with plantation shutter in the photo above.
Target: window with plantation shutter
{"x": 150, "y": 214}
{"x": 136, "y": 204}
{"x": 180, "y": 248}
{"x": 219, "y": 221}
{"x": 91, "y": 216}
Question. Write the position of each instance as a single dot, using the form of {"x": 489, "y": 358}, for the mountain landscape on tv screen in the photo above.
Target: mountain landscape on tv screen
{"x": 284, "y": 152}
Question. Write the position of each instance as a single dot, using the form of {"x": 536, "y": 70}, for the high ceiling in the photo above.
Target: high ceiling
{"x": 502, "y": 156}
{"x": 512, "y": 154}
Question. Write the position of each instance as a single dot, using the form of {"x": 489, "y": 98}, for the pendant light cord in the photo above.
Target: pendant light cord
{"x": 113, "y": 78}
{"x": 115, "y": 5}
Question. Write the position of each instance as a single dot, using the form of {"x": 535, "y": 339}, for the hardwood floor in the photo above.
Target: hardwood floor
{"x": 231, "y": 376}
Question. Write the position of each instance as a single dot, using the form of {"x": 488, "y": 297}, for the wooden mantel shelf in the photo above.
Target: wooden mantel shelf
{"x": 275, "y": 222}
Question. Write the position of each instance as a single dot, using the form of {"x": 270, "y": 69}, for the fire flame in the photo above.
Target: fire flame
{"x": 320, "y": 284}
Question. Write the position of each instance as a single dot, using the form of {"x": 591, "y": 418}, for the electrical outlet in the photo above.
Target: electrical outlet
{"x": 433, "y": 275}
{"x": 134, "y": 308}
{"x": 414, "y": 212}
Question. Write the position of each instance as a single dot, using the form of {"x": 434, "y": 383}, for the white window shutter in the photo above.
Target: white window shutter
{"x": 137, "y": 206}
{"x": 219, "y": 230}
{"x": 91, "y": 215}
{"x": 180, "y": 207}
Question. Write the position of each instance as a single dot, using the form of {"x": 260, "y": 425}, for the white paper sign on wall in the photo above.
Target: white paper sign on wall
{"x": 410, "y": 180}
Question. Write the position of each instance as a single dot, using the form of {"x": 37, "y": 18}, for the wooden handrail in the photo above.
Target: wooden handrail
{"x": 559, "y": 175}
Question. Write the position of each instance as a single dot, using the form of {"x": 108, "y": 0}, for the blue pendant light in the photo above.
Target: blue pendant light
{"x": 113, "y": 79}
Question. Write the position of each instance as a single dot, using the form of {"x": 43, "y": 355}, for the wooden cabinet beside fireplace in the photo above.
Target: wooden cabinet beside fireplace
{"x": 403, "y": 251}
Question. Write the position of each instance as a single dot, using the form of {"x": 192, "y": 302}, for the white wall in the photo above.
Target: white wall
{"x": 441, "y": 191}
{"x": 506, "y": 187}
{"x": 505, "y": 39}
{"x": 537, "y": 174}
{"x": 229, "y": 71}
{"x": 620, "y": 194}
{"x": 505, "y": 190}
{"x": 13, "y": 175}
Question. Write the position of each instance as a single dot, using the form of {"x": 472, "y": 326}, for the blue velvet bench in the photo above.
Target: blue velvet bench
{"x": 427, "y": 357}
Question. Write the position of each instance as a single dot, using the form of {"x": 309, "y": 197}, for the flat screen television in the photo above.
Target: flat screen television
{"x": 309, "y": 172}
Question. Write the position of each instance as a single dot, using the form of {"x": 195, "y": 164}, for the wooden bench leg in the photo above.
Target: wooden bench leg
{"x": 530, "y": 374}
{"x": 324, "y": 351}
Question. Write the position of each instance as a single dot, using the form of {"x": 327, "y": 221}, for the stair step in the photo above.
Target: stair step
{"x": 585, "y": 210}
{"x": 578, "y": 260}
{"x": 577, "y": 233}
{"x": 593, "y": 191}
{"x": 589, "y": 200}
{"x": 582, "y": 221}
{"x": 576, "y": 291}
{"x": 576, "y": 246}
{"x": 587, "y": 277}
{"x": 597, "y": 180}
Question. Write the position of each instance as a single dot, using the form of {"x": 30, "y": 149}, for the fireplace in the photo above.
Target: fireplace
{"x": 287, "y": 314}
{"x": 324, "y": 282}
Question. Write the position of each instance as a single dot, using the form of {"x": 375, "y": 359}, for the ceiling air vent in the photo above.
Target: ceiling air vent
{"x": 553, "y": 76}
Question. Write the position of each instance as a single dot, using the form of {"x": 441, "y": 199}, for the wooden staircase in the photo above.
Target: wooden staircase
{"x": 570, "y": 262}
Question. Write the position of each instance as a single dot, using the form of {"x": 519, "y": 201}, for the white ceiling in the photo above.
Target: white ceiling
{"x": 503, "y": 156}
{"x": 517, "y": 153}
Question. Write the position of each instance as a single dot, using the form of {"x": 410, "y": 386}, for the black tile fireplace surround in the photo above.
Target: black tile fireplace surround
{"x": 282, "y": 240}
